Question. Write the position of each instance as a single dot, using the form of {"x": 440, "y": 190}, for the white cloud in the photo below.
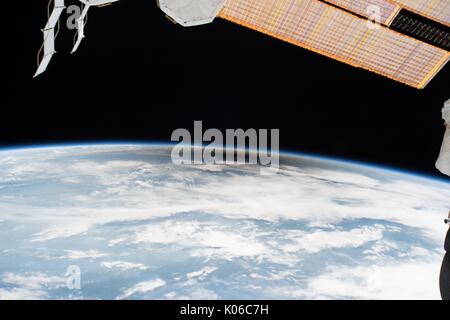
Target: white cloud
{"x": 202, "y": 273}
{"x": 209, "y": 240}
{"x": 319, "y": 240}
{"x": 318, "y": 199}
{"x": 194, "y": 294}
{"x": 115, "y": 172}
{"x": 228, "y": 245}
{"x": 416, "y": 280}
{"x": 299, "y": 194}
{"x": 22, "y": 294}
{"x": 342, "y": 177}
{"x": 274, "y": 275}
{"x": 123, "y": 265}
{"x": 77, "y": 254}
{"x": 60, "y": 232}
{"x": 416, "y": 252}
{"x": 142, "y": 288}
{"x": 29, "y": 286}
{"x": 381, "y": 249}
{"x": 168, "y": 232}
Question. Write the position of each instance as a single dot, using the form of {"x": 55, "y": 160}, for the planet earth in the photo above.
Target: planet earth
{"x": 122, "y": 221}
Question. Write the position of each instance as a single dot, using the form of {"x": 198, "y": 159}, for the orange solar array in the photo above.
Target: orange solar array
{"x": 387, "y": 8}
{"x": 341, "y": 35}
{"x": 438, "y": 10}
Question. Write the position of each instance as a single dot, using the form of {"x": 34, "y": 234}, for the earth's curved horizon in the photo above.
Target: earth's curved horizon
{"x": 283, "y": 153}
{"x": 140, "y": 227}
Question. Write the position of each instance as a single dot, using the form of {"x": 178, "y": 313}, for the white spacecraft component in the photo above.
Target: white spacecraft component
{"x": 410, "y": 44}
{"x": 443, "y": 163}
{"x": 82, "y": 19}
{"x": 50, "y": 34}
{"x": 187, "y": 13}
{"x": 51, "y": 31}
{"x": 190, "y": 13}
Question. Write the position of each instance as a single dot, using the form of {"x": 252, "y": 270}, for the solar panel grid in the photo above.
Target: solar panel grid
{"x": 340, "y": 35}
{"x": 422, "y": 29}
{"x": 370, "y": 47}
{"x": 438, "y": 10}
{"x": 362, "y": 7}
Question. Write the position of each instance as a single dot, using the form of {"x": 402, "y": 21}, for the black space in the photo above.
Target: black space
{"x": 137, "y": 77}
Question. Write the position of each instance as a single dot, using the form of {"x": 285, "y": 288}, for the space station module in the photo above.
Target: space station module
{"x": 443, "y": 163}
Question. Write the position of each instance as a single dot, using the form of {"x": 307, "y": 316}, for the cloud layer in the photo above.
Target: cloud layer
{"x": 317, "y": 229}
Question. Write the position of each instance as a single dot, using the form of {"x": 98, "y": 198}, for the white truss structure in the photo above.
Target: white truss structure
{"x": 52, "y": 28}
{"x": 50, "y": 33}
